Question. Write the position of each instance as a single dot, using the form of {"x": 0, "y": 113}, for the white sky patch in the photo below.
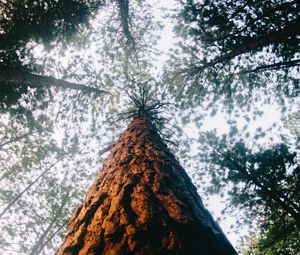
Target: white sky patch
{"x": 270, "y": 116}
{"x": 167, "y": 36}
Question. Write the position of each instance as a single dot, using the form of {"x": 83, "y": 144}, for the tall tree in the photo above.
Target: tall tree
{"x": 143, "y": 202}
{"x": 45, "y": 118}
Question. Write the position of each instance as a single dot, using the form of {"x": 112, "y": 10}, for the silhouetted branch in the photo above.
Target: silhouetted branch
{"x": 12, "y": 76}
{"x": 275, "y": 66}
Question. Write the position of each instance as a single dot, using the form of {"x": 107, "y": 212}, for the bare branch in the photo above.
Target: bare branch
{"x": 275, "y": 66}
{"x": 19, "y": 195}
{"x": 16, "y": 139}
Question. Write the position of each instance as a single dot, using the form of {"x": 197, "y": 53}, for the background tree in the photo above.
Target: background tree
{"x": 23, "y": 27}
{"x": 230, "y": 29}
{"x": 266, "y": 183}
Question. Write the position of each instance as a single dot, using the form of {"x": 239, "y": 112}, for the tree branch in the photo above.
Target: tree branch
{"x": 275, "y": 66}
{"x": 256, "y": 43}
{"x": 12, "y": 76}
{"x": 40, "y": 244}
{"x": 19, "y": 195}
{"x": 16, "y": 139}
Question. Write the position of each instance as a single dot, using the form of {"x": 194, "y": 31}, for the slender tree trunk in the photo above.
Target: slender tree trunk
{"x": 40, "y": 244}
{"x": 124, "y": 16}
{"x": 11, "y": 76}
{"x": 143, "y": 202}
{"x": 19, "y": 195}
{"x": 16, "y": 139}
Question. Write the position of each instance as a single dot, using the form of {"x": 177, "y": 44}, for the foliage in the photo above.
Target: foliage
{"x": 229, "y": 29}
{"x": 248, "y": 245}
{"x": 292, "y": 122}
{"x": 265, "y": 183}
{"x": 24, "y": 24}
{"x": 229, "y": 48}
{"x": 45, "y": 21}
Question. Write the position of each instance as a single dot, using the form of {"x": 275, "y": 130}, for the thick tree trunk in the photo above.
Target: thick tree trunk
{"x": 143, "y": 202}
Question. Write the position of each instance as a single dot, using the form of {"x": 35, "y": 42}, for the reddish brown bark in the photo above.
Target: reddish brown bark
{"x": 143, "y": 202}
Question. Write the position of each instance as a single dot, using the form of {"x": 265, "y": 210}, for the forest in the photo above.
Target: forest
{"x": 172, "y": 101}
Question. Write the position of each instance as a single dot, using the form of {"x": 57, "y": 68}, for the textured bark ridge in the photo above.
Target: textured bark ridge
{"x": 143, "y": 202}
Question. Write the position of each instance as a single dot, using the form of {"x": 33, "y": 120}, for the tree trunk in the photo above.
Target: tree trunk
{"x": 143, "y": 202}
{"x": 12, "y": 76}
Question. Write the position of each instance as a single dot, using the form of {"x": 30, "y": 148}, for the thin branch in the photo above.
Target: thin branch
{"x": 28, "y": 187}
{"x": 40, "y": 244}
{"x": 106, "y": 149}
{"x": 49, "y": 239}
{"x": 275, "y": 66}
{"x": 16, "y": 139}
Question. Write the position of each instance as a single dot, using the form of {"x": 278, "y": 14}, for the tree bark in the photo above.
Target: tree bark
{"x": 12, "y": 76}
{"x": 143, "y": 202}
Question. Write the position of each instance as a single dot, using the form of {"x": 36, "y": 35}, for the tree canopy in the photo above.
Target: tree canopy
{"x": 46, "y": 21}
{"x": 230, "y": 29}
{"x": 73, "y": 72}
{"x": 231, "y": 48}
